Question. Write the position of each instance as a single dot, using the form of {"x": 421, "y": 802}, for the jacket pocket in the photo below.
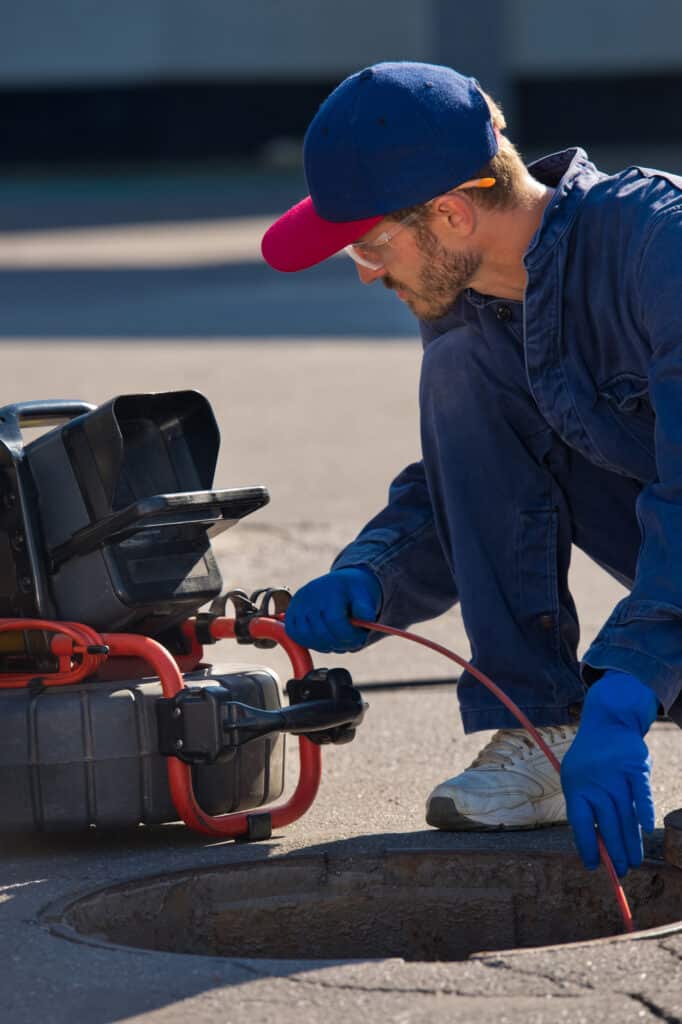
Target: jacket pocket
{"x": 627, "y": 398}
{"x": 628, "y": 393}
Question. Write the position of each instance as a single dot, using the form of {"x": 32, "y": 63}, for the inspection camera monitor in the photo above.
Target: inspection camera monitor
{"x": 107, "y": 518}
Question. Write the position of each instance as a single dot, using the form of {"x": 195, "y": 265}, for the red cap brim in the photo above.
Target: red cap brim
{"x": 301, "y": 238}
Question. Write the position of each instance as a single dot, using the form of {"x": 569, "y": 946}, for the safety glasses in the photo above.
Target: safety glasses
{"x": 373, "y": 254}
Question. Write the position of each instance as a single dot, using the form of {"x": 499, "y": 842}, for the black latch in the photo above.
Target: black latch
{"x": 201, "y": 725}
{"x": 329, "y": 684}
{"x": 190, "y": 725}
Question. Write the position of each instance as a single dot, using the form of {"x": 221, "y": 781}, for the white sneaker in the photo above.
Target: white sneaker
{"x": 511, "y": 784}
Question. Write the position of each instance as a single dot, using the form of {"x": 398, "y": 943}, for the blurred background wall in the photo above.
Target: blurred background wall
{"x": 152, "y": 141}
{"x": 192, "y": 79}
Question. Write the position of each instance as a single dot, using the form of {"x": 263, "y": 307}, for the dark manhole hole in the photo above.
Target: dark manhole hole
{"x": 417, "y": 905}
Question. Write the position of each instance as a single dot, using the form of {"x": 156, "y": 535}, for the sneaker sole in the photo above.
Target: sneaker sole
{"x": 442, "y": 814}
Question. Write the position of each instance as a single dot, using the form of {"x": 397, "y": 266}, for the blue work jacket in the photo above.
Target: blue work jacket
{"x": 602, "y": 343}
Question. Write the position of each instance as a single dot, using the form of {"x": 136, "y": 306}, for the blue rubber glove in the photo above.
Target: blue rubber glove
{"x": 320, "y": 612}
{"x": 605, "y": 774}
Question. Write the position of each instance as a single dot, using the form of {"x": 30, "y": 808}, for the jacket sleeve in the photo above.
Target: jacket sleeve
{"x": 401, "y": 547}
{"x": 643, "y": 636}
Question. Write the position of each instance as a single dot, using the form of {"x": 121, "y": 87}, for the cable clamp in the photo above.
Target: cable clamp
{"x": 274, "y": 602}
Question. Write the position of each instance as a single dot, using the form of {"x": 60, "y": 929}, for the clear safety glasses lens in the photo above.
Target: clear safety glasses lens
{"x": 373, "y": 254}
{"x": 362, "y": 259}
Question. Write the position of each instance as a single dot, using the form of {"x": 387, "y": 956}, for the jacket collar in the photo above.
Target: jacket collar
{"x": 571, "y": 174}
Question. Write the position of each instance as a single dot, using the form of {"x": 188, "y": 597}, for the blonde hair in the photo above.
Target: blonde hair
{"x": 506, "y": 167}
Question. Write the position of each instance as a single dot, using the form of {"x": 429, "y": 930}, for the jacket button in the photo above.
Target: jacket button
{"x": 504, "y": 313}
{"x": 547, "y": 621}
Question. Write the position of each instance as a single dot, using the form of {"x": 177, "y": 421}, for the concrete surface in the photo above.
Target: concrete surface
{"x": 281, "y": 405}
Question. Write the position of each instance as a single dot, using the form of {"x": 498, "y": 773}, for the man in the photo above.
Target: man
{"x": 551, "y": 415}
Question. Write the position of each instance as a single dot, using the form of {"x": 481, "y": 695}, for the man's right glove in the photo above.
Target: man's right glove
{"x": 319, "y": 614}
{"x": 605, "y": 773}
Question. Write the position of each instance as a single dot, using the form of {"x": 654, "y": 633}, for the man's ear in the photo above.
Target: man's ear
{"x": 456, "y": 213}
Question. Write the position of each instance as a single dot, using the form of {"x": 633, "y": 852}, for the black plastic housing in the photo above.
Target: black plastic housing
{"x": 76, "y": 756}
{"x": 108, "y": 518}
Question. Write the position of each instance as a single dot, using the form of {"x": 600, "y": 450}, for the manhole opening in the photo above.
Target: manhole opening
{"x": 425, "y": 905}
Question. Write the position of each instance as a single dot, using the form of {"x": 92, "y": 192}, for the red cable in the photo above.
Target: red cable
{"x": 621, "y": 898}
{"x": 70, "y": 639}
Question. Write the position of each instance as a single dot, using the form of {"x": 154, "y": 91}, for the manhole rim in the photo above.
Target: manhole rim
{"x": 52, "y": 916}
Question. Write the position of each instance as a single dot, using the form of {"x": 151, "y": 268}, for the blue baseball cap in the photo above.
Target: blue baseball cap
{"x": 390, "y": 136}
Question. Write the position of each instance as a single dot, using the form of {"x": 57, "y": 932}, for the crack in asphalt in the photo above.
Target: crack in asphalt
{"x": 424, "y": 990}
{"x": 349, "y": 986}
{"x": 653, "y": 1008}
{"x": 546, "y": 975}
{"x": 420, "y": 990}
{"x": 614, "y": 988}
{"x": 673, "y": 952}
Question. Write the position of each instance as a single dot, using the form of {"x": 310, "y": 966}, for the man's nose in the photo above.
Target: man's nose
{"x": 367, "y": 275}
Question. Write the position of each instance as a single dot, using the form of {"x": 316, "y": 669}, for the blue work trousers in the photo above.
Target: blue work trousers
{"x": 488, "y": 519}
{"x": 510, "y": 498}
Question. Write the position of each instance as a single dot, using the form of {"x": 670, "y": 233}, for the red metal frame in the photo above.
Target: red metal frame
{"x": 70, "y": 644}
{"x": 180, "y": 774}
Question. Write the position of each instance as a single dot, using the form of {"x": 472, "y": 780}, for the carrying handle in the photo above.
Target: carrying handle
{"x": 257, "y": 824}
{"x": 45, "y": 412}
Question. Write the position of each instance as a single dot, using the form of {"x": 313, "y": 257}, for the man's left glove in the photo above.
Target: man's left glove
{"x": 605, "y": 774}
{"x": 320, "y": 612}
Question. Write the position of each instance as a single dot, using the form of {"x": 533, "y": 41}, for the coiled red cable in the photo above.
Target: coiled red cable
{"x": 79, "y": 650}
{"x": 621, "y": 898}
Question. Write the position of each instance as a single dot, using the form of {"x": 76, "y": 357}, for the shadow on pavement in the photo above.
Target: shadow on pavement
{"x": 44, "y": 873}
{"x": 124, "y": 981}
{"x": 76, "y": 199}
{"x": 231, "y": 300}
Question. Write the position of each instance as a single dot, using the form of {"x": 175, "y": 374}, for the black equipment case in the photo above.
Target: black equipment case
{"x": 105, "y": 560}
{"x": 107, "y": 520}
{"x": 76, "y": 756}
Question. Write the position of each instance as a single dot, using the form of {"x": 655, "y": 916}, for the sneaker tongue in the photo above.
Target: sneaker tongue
{"x": 504, "y": 748}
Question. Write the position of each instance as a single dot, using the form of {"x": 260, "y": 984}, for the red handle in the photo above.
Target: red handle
{"x": 180, "y": 774}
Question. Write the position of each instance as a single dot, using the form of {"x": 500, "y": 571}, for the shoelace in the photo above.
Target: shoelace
{"x": 509, "y": 745}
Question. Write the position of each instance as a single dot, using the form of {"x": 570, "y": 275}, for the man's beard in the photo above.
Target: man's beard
{"x": 442, "y": 279}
